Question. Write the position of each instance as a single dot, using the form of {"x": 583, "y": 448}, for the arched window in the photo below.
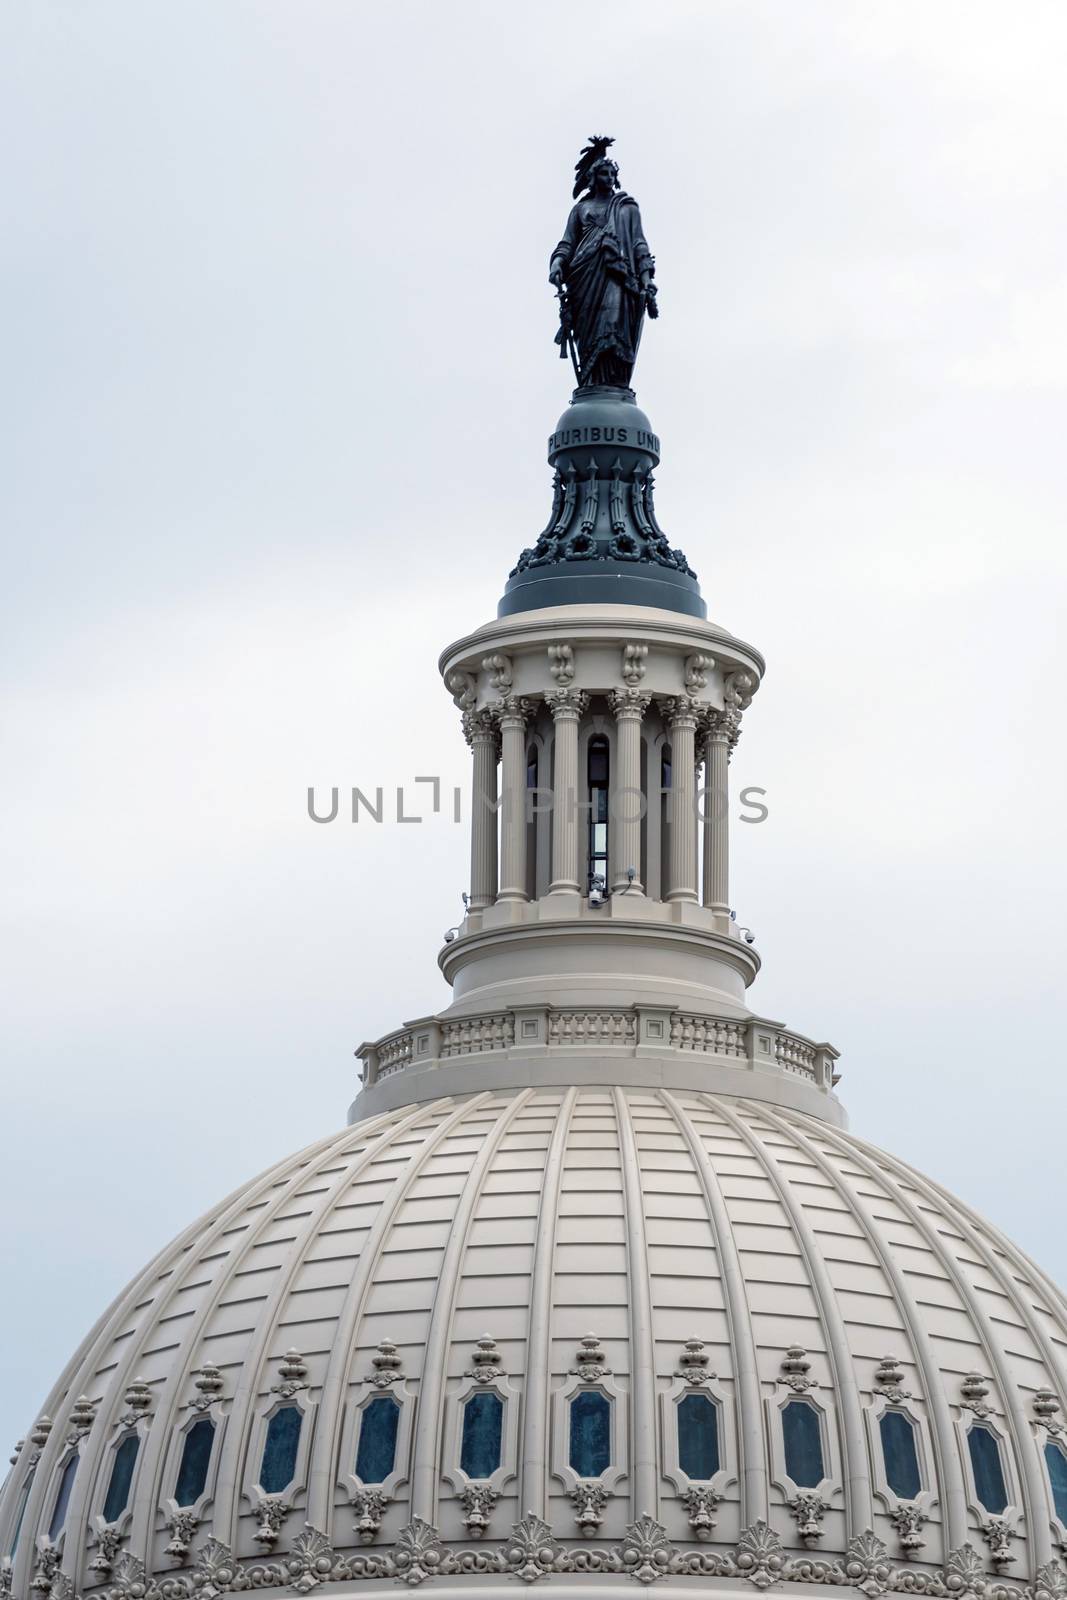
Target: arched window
{"x": 988, "y": 1468}
{"x": 900, "y": 1454}
{"x": 118, "y": 1490}
{"x": 278, "y": 1467}
{"x": 802, "y": 1437}
{"x": 590, "y": 1433}
{"x": 698, "y": 1436}
{"x": 1056, "y": 1462}
{"x": 21, "y": 1512}
{"x": 598, "y": 810}
{"x": 196, "y": 1458}
{"x": 376, "y": 1456}
{"x": 59, "y": 1510}
{"x": 483, "y": 1425}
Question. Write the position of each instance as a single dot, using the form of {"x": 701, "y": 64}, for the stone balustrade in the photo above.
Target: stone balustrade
{"x": 751, "y": 1044}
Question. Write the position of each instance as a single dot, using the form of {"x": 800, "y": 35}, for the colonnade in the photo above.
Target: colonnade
{"x": 701, "y": 739}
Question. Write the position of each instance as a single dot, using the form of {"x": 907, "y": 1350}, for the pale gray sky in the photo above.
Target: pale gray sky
{"x": 278, "y": 373}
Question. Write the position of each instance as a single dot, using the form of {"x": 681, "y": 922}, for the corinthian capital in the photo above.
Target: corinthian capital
{"x": 681, "y": 711}
{"x": 567, "y": 702}
{"x": 479, "y": 726}
{"x": 629, "y": 702}
{"x": 512, "y": 709}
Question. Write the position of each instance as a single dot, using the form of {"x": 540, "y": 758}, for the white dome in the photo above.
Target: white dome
{"x": 705, "y": 1248}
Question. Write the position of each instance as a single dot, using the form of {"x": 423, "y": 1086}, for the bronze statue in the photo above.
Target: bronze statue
{"x": 603, "y": 271}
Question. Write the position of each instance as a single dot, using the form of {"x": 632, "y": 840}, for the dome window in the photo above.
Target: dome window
{"x": 378, "y": 1426}
{"x": 24, "y": 1496}
{"x": 598, "y": 810}
{"x": 900, "y": 1454}
{"x": 118, "y": 1490}
{"x": 483, "y": 1428}
{"x": 1056, "y": 1462}
{"x": 196, "y": 1458}
{"x": 988, "y": 1469}
{"x": 802, "y": 1437}
{"x": 59, "y": 1510}
{"x": 278, "y": 1467}
{"x": 698, "y": 1436}
{"x": 590, "y": 1433}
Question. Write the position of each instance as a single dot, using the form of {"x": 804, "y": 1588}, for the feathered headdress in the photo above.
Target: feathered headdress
{"x": 594, "y": 151}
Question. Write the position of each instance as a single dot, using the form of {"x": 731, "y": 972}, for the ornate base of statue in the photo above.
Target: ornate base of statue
{"x": 602, "y": 537}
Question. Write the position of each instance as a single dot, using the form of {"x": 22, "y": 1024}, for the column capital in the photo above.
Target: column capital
{"x": 514, "y": 710}
{"x": 681, "y": 710}
{"x": 565, "y": 703}
{"x": 629, "y": 702}
{"x": 481, "y": 727}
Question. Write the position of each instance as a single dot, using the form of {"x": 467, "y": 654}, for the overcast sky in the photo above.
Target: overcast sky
{"x": 278, "y": 372}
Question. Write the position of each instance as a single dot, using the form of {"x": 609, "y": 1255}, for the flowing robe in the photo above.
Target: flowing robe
{"x": 603, "y": 253}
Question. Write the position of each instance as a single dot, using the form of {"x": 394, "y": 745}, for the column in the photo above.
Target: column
{"x": 681, "y": 717}
{"x": 481, "y": 730}
{"x": 716, "y": 816}
{"x": 566, "y": 706}
{"x": 629, "y": 706}
{"x": 514, "y": 713}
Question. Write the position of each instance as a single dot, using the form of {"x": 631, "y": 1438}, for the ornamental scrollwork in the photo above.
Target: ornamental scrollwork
{"x": 808, "y": 1510}
{"x": 369, "y": 1507}
{"x": 533, "y": 1551}
{"x": 478, "y": 1502}
{"x": 589, "y": 1499}
{"x": 795, "y": 1370}
{"x": 889, "y": 1380}
{"x": 592, "y": 1363}
{"x": 488, "y": 1364}
{"x": 694, "y": 1363}
{"x": 646, "y": 1552}
{"x": 386, "y": 1365}
{"x": 561, "y": 664}
{"x": 292, "y": 1371}
{"x": 500, "y": 672}
{"x": 208, "y": 1387}
{"x": 701, "y": 1504}
{"x": 634, "y": 658}
{"x": 181, "y": 1526}
{"x": 272, "y": 1512}
{"x": 463, "y": 687}
{"x": 973, "y": 1390}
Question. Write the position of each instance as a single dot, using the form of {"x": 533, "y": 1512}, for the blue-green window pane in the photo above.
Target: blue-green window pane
{"x": 118, "y": 1490}
{"x": 590, "y": 1452}
{"x": 59, "y": 1510}
{"x": 988, "y": 1469}
{"x": 483, "y": 1429}
{"x": 278, "y": 1466}
{"x": 376, "y": 1455}
{"x": 21, "y": 1512}
{"x": 802, "y": 1435}
{"x": 900, "y": 1454}
{"x": 196, "y": 1458}
{"x": 1056, "y": 1462}
{"x": 698, "y": 1436}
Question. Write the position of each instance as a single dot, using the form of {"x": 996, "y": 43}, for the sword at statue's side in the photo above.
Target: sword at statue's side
{"x": 565, "y": 336}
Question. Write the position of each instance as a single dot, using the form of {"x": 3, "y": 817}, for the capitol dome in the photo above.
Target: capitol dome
{"x": 595, "y": 1288}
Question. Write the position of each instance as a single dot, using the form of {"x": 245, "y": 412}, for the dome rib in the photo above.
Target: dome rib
{"x": 184, "y": 1254}
{"x": 171, "y": 1395}
{"x": 859, "y": 1504}
{"x": 323, "y": 1468}
{"x": 424, "y": 1477}
{"x": 244, "y": 1410}
{"x": 755, "y": 1489}
{"x": 946, "y": 1460}
{"x": 1055, "y": 1368}
{"x": 1035, "y": 1517}
{"x": 533, "y": 1476}
{"x": 644, "y": 1477}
